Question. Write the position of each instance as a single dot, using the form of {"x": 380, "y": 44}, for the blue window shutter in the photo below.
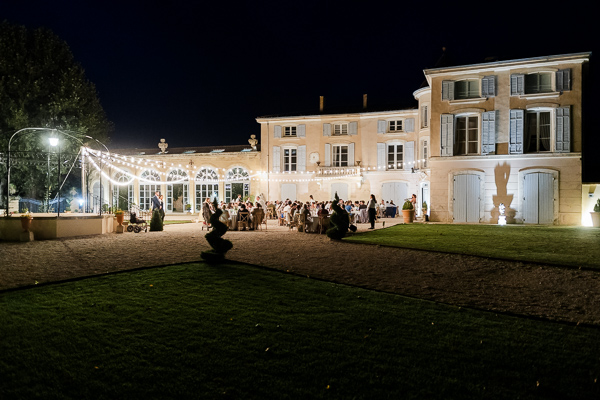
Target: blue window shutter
{"x": 409, "y": 125}
{"x": 353, "y": 128}
{"x": 563, "y": 80}
{"x": 447, "y": 90}
{"x": 488, "y": 86}
{"x": 488, "y": 132}
{"x": 409, "y": 154}
{"x": 381, "y": 155}
{"x": 517, "y": 84}
{"x": 326, "y": 129}
{"x": 327, "y": 155}
{"x": 301, "y": 131}
{"x": 351, "y": 155}
{"x": 563, "y": 130}
{"x": 302, "y": 158}
{"x": 381, "y": 126}
{"x": 277, "y": 131}
{"x": 276, "y": 159}
{"x": 447, "y": 135}
{"x": 516, "y": 132}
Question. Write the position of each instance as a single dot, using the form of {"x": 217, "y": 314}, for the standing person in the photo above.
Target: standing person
{"x": 239, "y": 200}
{"x": 372, "y": 209}
{"x": 413, "y": 200}
{"x": 156, "y": 201}
{"x": 206, "y": 211}
{"x": 161, "y": 210}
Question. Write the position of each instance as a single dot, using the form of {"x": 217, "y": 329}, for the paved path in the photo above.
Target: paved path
{"x": 514, "y": 287}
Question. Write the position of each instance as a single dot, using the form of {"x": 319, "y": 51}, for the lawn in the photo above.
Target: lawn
{"x": 238, "y": 331}
{"x": 561, "y": 245}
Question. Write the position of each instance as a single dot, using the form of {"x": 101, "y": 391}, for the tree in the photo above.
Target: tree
{"x": 41, "y": 85}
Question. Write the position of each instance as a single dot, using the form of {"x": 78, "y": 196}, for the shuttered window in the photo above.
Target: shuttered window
{"x": 488, "y": 86}
{"x": 563, "y": 130}
{"x": 277, "y": 131}
{"x": 538, "y": 83}
{"x": 467, "y": 136}
{"x": 340, "y": 156}
{"x": 276, "y": 159}
{"x": 290, "y": 160}
{"x": 289, "y": 131}
{"x": 447, "y": 135}
{"x": 395, "y": 156}
{"x": 340, "y": 129}
{"x": 467, "y": 89}
{"x": 537, "y": 132}
{"x": 488, "y": 132}
{"x": 516, "y": 132}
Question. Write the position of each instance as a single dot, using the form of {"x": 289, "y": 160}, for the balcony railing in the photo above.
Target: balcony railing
{"x": 337, "y": 171}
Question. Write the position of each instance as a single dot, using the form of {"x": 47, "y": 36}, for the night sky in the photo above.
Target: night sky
{"x": 199, "y": 73}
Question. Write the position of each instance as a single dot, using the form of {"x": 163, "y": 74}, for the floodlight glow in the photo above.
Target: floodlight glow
{"x": 53, "y": 141}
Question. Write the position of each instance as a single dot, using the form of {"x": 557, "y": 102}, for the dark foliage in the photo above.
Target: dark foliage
{"x": 156, "y": 223}
{"x": 340, "y": 221}
{"x": 219, "y": 245}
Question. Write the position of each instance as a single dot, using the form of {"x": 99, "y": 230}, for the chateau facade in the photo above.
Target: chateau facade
{"x": 506, "y": 132}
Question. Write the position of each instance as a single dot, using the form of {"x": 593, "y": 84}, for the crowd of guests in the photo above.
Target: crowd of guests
{"x": 287, "y": 210}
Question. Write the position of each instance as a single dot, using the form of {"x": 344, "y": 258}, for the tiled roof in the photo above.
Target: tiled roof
{"x": 187, "y": 150}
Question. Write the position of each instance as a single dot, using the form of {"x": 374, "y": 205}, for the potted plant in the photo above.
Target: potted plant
{"x": 26, "y": 219}
{"x": 596, "y": 215}
{"x": 188, "y": 208}
{"x": 424, "y": 208}
{"x": 408, "y": 212}
{"x": 119, "y": 214}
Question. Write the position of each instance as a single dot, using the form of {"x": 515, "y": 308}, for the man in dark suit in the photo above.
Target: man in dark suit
{"x": 156, "y": 201}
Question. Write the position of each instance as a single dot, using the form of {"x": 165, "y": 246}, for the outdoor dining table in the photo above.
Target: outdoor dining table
{"x": 233, "y": 217}
{"x": 312, "y": 224}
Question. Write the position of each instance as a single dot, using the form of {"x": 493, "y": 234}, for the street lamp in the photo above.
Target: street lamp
{"x": 54, "y": 142}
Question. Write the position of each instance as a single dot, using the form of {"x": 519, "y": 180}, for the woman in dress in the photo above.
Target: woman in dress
{"x": 372, "y": 209}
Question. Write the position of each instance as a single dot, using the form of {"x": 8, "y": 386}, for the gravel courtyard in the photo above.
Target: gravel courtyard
{"x": 514, "y": 287}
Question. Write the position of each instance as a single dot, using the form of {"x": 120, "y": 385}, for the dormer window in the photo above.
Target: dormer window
{"x": 395, "y": 126}
{"x": 340, "y": 129}
{"x": 289, "y": 131}
{"x": 468, "y": 89}
{"x": 538, "y": 83}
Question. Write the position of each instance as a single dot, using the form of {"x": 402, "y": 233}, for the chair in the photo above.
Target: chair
{"x": 301, "y": 223}
{"x": 292, "y": 221}
{"x": 243, "y": 220}
{"x": 257, "y": 218}
{"x": 323, "y": 223}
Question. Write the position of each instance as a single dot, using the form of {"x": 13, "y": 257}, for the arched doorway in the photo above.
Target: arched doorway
{"x": 149, "y": 183}
{"x": 237, "y": 182}
{"x": 177, "y": 191}
{"x": 123, "y": 191}
{"x": 207, "y": 186}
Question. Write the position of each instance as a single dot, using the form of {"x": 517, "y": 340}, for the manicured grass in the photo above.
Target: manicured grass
{"x": 574, "y": 246}
{"x": 173, "y": 222}
{"x": 236, "y": 331}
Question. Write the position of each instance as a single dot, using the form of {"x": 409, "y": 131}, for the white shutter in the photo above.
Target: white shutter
{"x": 409, "y": 125}
{"x": 563, "y": 130}
{"x": 488, "y": 86}
{"x": 516, "y": 132}
{"x": 381, "y": 126}
{"x": 447, "y": 135}
{"x": 326, "y": 129}
{"x": 447, "y": 90}
{"x": 327, "y": 155}
{"x": 409, "y": 154}
{"x": 277, "y": 131}
{"x": 301, "y": 158}
{"x": 563, "y": 80}
{"x": 301, "y": 131}
{"x": 276, "y": 159}
{"x": 353, "y": 128}
{"x": 381, "y": 156}
{"x": 517, "y": 84}
{"x": 351, "y": 155}
{"x": 488, "y": 132}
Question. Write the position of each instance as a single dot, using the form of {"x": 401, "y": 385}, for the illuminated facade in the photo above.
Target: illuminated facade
{"x": 482, "y": 135}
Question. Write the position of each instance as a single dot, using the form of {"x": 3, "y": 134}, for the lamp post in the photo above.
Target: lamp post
{"x": 54, "y": 142}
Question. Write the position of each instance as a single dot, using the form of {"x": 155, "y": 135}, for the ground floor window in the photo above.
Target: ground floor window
{"x": 123, "y": 194}
{"x": 233, "y": 189}
{"x": 206, "y": 190}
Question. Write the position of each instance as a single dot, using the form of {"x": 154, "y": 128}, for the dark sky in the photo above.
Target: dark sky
{"x": 199, "y": 73}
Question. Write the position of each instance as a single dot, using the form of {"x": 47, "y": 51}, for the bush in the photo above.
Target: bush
{"x": 156, "y": 223}
{"x": 339, "y": 219}
{"x": 407, "y": 205}
{"x": 597, "y": 206}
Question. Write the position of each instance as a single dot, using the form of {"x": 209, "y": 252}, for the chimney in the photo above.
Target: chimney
{"x": 364, "y": 101}
{"x": 321, "y": 103}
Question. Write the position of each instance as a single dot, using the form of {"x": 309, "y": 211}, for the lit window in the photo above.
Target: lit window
{"x": 395, "y": 157}
{"x": 289, "y": 159}
{"x": 340, "y": 156}
{"x": 537, "y": 132}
